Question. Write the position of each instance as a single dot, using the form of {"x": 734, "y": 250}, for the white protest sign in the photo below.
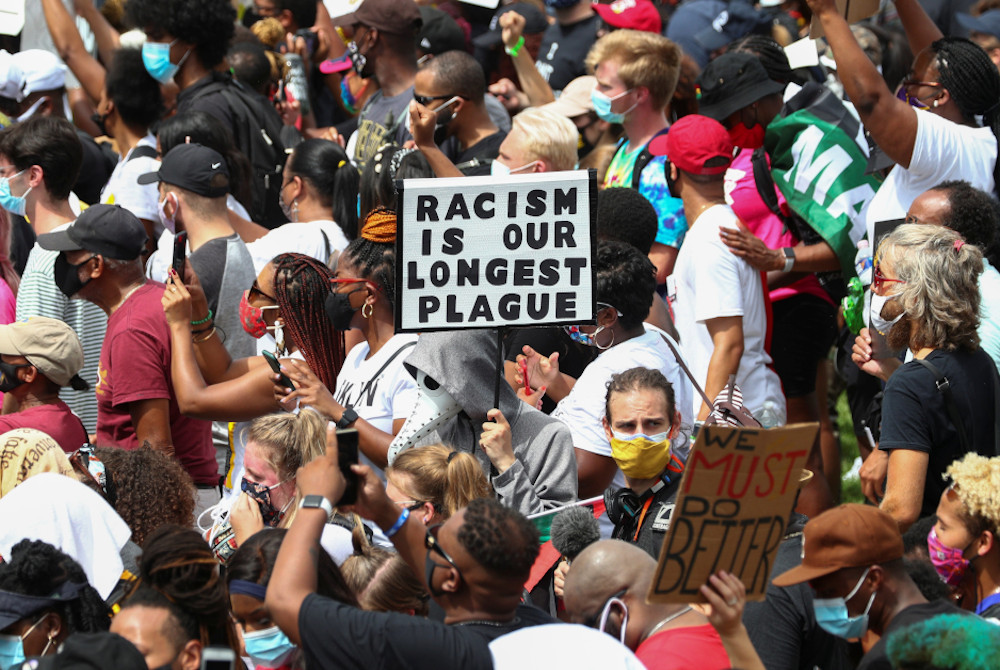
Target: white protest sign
{"x": 11, "y": 16}
{"x": 483, "y": 252}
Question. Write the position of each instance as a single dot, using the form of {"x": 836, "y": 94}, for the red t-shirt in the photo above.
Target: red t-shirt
{"x": 135, "y": 365}
{"x": 684, "y": 648}
{"x": 56, "y": 420}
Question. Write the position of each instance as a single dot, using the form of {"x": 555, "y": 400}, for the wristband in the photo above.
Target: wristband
{"x": 516, "y": 49}
{"x": 202, "y": 322}
{"x": 789, "y": 259}
{"x": 348, "y": 417}
{"x": 399, "y": 523}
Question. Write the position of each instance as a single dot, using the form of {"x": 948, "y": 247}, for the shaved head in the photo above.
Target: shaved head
{"x": 602, "y": 570}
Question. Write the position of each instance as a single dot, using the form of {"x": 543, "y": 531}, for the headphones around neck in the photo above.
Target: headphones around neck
{"x": 624, "y": 504}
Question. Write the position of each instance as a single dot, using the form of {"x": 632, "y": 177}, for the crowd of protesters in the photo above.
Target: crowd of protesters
{"x": 218, "y": 449}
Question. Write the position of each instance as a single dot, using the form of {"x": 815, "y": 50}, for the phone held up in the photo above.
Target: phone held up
{"x": 347, "y": 455}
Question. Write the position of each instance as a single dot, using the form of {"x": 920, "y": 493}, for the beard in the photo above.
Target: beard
{"x": 898, "y": 337}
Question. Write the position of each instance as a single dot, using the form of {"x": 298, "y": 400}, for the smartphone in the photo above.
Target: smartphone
{"x": 347, "y": 455}
{"x": 180, "y": 253}
{"x": 272, "y": 360}
{"x": 310, "y": 39}
{"x": 218, "y": 658}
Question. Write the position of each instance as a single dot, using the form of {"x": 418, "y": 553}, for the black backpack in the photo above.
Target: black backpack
{"x": 257, "y": 130}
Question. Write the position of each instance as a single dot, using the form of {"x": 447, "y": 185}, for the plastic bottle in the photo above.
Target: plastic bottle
{"x": 854, "y": 303}
{"x": 863, "y": 263}
{"x": 768, "y": 415}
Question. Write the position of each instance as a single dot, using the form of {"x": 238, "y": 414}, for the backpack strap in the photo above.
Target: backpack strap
{"x": 684, "y": 367}
{"x": 944, "y": 388}
{"x": 643, "y": 159}
{"x": 143, "y": 151}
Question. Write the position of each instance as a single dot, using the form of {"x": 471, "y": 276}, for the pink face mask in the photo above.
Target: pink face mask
{"x": 949, "y": 562}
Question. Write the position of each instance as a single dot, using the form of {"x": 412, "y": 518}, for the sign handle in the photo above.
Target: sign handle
{"x": 499, "y": 376}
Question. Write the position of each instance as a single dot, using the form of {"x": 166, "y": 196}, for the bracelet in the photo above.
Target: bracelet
{"x": 201, "y": 322}
{"x": 399, "y": 523}
{"x": 211, "y": 332}
{"x": 516, "y": 49}
{"x": 203, "y": 330}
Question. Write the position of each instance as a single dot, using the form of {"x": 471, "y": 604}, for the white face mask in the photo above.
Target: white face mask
{"x": 498, "y": 169}
{"x": 879, "y": 323}
{"x": 30, "y": 112}
{"x": 169, "y": 222}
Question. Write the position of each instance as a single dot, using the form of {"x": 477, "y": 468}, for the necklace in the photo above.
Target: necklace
{"x": 129, "y": 294}
{"x": 664, "y": 622}
{"x": 707, "y": 205}
{"x": 486, "y": 622}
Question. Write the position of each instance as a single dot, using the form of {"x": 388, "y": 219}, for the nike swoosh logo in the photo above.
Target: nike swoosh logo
{"x": 215, "y": 166}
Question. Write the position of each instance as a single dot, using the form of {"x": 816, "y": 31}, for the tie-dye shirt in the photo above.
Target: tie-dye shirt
{"x": 652, "y": 185}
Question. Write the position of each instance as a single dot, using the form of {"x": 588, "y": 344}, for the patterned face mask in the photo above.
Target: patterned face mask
{"x": 262, "y": 495}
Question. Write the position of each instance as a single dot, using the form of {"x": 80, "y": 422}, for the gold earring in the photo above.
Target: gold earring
{"x": 370, "y": 309}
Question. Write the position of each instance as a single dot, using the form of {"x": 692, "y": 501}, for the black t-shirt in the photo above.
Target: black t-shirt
{"x": 876, "y": 658}
{"x": 213, "y": 103}
{"x": 483, "y": 152}
{"x": 573, "y": 357}
{"x": 335, "y": 635}
{"x": 783, "y": 626}
{"x": 655, "y": 519}
{"x": 564, "y": 48}
{"x": 915, "y": 415}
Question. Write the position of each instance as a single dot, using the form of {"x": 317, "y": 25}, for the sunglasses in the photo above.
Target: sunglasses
{"x": 903, "y": 92}
{"x": 432, "y": 545}
{"x": 255, "y": 288}
{"x": 879, "y": 280}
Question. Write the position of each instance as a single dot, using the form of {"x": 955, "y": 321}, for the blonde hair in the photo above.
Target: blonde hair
{"x": 644, "y": 59}
{"x": 976, "y": 480}
{"x": 941, "y": 289}
{"x": 381, "y": 580}
{"x": 447, "y": 479}
{"x": 289, "y": 441}
{"x": 548, "y": 136}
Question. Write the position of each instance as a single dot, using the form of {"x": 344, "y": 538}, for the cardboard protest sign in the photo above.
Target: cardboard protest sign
{"x": 735, "y": 497}
{"x": 483, "y": 252}
{"x": 852, "y": 10}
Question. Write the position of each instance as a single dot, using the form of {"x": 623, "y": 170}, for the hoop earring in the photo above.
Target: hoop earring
{"x": 370, "y": 309}
{"x": 609, "y": 345}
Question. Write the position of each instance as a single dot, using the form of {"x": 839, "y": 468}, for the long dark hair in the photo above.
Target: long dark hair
{"x": 325, "y": 165}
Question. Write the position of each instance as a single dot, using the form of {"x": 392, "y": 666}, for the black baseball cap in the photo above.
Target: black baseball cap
{"x": 194, "y": 168}
{"x": 731, "y": 82}
{"x": 17, "y": 606}
{"x": 439, "y": 32}
{"x": 94, "y": 651}
{"x": 108, "y": 230}
{"x": 534, "y": 22}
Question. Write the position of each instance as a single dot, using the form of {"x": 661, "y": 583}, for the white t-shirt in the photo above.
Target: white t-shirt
{"x": 583, "y": 409}
{"x": 710, "y": 282}
{"x": 124, "y": 190}
{"x": 382, "y": 399}
{"x": 317, "y": 239}
{"x": 942, "y": 150}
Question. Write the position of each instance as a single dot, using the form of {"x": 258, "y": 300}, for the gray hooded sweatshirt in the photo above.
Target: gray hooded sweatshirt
{"x": 464, "y": 363}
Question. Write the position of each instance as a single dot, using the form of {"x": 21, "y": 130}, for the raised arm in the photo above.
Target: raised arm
{"x": 891, "y": 121}
{"x": 70, "y": 46}
{"x": 532, "y": 82}
{"x": 108, "y": 39}
{"x": 920, "y": 29}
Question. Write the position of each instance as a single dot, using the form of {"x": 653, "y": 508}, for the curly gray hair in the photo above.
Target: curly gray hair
{"x": 941, "y": 293}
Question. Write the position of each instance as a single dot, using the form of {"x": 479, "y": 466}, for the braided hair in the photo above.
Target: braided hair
{"x": 770, "y": 54}
{"x": 301, "y": 285}
{"x": 37, "y": 568}
{"x": 974, "y": 84}
{"x": 374, "y": 251}
{"x": 178, "y": 565}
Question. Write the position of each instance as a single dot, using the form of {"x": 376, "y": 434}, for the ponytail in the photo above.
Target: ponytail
{"x": 447, "y": 479}
{"x": 465, "y": 482}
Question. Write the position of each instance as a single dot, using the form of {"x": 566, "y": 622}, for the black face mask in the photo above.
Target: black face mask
{"x": 338, "y": 309}
{"x": 68, "y": 276}
{"x": 8, "y": 376}
{"x": 100, "y": 120}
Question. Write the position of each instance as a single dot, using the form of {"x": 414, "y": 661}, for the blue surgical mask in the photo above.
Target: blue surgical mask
{"x": 602, "y": 106}
{"x": 831, "y": 614}
{"x": 12, "y": 647}
{"x": 156, "y": 59}
{"x": 270, "y": 647}
{"x": 15, "y": 204}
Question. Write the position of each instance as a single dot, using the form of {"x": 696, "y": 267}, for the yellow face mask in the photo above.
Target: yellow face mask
{"x": 641, "y": 456}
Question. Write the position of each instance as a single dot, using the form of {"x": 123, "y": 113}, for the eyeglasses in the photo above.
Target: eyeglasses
{"x": 601, "y": 306}
{"x": 255, "y": 288}
{"x": 411, "y": 505}
{"x": 879, "y": 280}
{"x": 432, "y": 545}
{"x": 903, "y": 92}
{"x": 426, "y": 99}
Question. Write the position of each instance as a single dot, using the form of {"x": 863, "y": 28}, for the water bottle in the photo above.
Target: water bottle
{"x": 854, "y": 304}
{"x": 768, "y": 415}
{"x": 863, "y": 263}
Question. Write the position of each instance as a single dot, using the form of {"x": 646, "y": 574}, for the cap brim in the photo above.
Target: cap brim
{"x": 711, "y": 39}
{"x": 149, "y": 178}
{"x": 723, "y": 109}
{"x": 802, "y": 573}
{"x": 58, "y": 241}
{"x": 487, "y": 40}
{"x": 567, "y": 109}
{"x": 345, "y": 19}
{"x": 7, "y": 347}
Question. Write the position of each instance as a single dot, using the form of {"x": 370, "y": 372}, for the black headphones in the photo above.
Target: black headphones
{"x": 625, "y": 504}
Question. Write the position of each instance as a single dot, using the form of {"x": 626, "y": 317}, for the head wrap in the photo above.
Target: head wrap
{"x": 26, "y": 452}
{"x": 380, "y": 226}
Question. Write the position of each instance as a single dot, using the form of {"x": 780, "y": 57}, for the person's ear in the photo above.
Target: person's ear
{"x": 36, "y": 175}
{"x": 52, "y": 626}
{"x": 190, "y": 656}
{"x": 27, "y": 374}
{"x": 98, "y": 269}
{"x": 673, "y": 173}
{"x": 675, "y": 425}
{"x": 607, "y": 317}
{"x": 942, "y": 99}
{"x": 453, "y": 582}
{"x": 641, "y": 94}
{"x": 987, "y": 540}
{"x": 876, "y": 576}
{"x": 429, "y": 512}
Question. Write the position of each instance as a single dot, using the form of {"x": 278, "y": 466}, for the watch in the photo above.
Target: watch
{"x": 789, "y": 259}
{"x": 347, "y": 418}
{"x": 317, "y": 502}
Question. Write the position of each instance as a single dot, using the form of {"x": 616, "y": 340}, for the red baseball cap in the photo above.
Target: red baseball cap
{"x": 631, "y": 14}
{"x": 696, "y": 144}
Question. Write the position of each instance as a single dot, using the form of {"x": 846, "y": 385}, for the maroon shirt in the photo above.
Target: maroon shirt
{"x": 56, "y": 420}
{"x": 134, "y": 366}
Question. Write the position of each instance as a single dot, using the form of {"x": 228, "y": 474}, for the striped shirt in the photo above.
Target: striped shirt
{"x": 38, "y": 295}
